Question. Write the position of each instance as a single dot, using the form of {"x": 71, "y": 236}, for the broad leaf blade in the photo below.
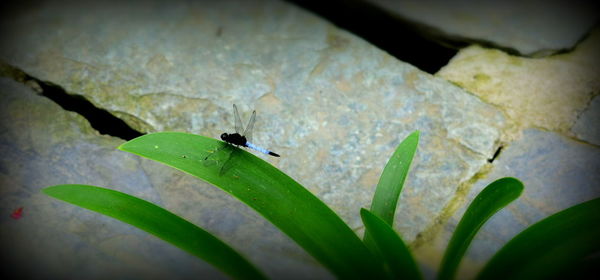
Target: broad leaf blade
{"x": 160, "y": 223}
{"x": 558, "y": 245}
{"x": 494, "y": 197}
{"x": 397, "y": 256}
{"x": 277, "y": 197}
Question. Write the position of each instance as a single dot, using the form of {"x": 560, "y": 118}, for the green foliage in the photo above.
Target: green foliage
{"x": 558, "y": 245}
{"x": 394, "y": 252}
{"x": 380, "y": 238}
{"x": 493, "y": 198}
{"x": 392, "y": 179}
{"x": 390, "y": 183}
{"x": 566, "y": 237}
{"x": 273, "y": 194}
{"x": 160, "y": 223}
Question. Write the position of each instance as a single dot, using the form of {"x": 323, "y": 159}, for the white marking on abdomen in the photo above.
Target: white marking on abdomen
{"x": 257, "y": 148}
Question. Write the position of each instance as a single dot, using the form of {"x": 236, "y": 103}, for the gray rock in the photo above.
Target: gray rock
{"x": 587, "y": 126}
{"x": 532, "y": 27}
{"x": 326, "y": 100}
{"x": 332, "y": 105}
{"x": 558, "y": 172}
{"x": 547, "y": 93}
{"x": 44, "y": 145}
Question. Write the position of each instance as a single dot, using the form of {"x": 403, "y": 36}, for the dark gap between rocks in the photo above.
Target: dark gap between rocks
{"x": 404, "y": 40}
{"x": 496, "y": 154}
{"x": 99, "y": 119}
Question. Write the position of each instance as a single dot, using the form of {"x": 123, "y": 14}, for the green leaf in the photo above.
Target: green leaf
{"x": 392, "y": 179}
{"x": 160, "y": 223}
{"x": 494, "y": 197}
{"x": 559, "y": 245}
{"x": 390, "y": 184}
{"x": 391, "y": 247}
{"x": 273, "y": 194}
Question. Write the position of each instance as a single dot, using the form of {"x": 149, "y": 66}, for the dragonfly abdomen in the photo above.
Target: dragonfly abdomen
{"x": 260, "y": 149}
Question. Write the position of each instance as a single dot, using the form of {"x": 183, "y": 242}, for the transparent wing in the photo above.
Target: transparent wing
{"x": 238, "y": 122}
{"x": 221, "y": 158}
{"x": 248, "y": 131}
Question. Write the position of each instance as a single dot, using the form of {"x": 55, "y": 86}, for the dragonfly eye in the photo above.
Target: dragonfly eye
{"x": 224, "y": 136}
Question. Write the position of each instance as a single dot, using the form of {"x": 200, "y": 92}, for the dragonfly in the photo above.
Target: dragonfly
{"x": 242, "y": 137}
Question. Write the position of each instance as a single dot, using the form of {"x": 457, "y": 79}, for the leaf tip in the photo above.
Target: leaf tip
{"x": 52, "y": 190}
{"x": 363, "y": 211}
{"x": 514, "y": 182}
{"x": 123, "y": 147}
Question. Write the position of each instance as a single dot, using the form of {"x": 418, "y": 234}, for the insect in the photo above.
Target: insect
{"x": 242, "y": 137}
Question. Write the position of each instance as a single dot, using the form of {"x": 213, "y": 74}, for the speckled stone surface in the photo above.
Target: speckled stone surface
{"x": 549, "y": 93}
{"x": 558, "y": 172}
{"x": 587, "y": 126}
{"x": 43, "y": 145}
{"x": 552, "y": 138}
{"x": 332, "y": 105}
{"x": 531, "y": 27}
{"x": 62, "y": 241}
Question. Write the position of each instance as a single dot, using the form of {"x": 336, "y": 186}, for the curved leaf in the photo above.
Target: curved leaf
{"x": 390, "y": 183}
{"x": 160, "y": 223}
{"x": 494, "y": 197}
{"x": 397, "y": 256}
{"x": 392, "y": 179}
{"x": 558, "y": 245}
{"x": 277, "y": 197}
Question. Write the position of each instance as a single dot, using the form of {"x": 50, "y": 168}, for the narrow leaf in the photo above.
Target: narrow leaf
{"x": 494, "y": 197}
{"x": 556, "y": 247}
{"x": 392, "y": 179}
{"x": 277, "y": 197}
{"x": 160, "y": 223}
{"x": 390, "y": 184}
{"x": 391, "y": 247}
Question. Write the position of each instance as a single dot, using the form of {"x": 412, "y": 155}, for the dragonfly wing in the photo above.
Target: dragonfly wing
{"x": 248, "y": 131}
{"x": 230, "y": 162}
{"x": 222, "y": 158}
{"x": 218, "y": 156}
{"x": 238, "y": 122}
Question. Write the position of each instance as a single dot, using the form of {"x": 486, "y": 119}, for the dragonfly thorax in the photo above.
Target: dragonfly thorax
{"x": 234, "y": 138}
